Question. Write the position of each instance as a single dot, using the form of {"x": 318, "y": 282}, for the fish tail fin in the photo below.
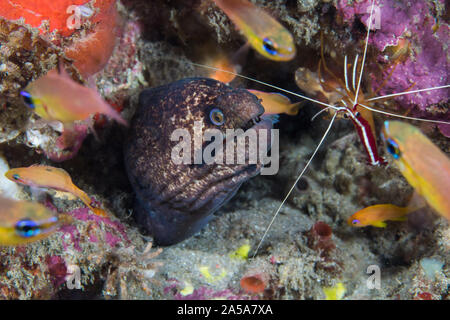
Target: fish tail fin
{"x": 116, "y": 116}
{"x": 98, "y": 212}
{"x": 87, "y": 201}
{"x": 404, "y": 211}
{"x": 416, "y": 202}
{"x": 294, "y": 108}
{"x": 240, "y": 56}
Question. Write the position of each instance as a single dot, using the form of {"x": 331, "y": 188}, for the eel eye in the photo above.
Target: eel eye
{"x": 16, "y": 176}
{"x": 217, "y": 117}
{"x": 269, "y": 47}
{"x": 27, "y": 228}
{"x": 357, "y": 114}
{"x": 355, "y": 221}
{"x": 27, "y": 99}
{"x": 392, "y": 148}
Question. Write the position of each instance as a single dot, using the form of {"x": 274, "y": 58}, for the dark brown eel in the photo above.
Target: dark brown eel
{"x": 173, "y": 201}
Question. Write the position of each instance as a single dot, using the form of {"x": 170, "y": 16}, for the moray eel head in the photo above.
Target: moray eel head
{"x": 175, "y": 200}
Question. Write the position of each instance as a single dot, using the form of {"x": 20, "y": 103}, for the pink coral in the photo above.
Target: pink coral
{"x": 109, "y": 231}
{"x": 427, "y": 64}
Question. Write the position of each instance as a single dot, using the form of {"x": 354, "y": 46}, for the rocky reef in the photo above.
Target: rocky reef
{"x": 309, "y": 249}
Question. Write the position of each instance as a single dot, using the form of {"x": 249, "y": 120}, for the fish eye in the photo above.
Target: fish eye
{"x": 357, "y": 114}
{"x": 217, "y": 117}
{"x": 355, "y": 221}
{"x": 27, "y": 228}
{"x": 393, "y": 148}
{"x": 16, "y": 176}
{"x": 269, "y": 47}
{"x": 27, "y": 99}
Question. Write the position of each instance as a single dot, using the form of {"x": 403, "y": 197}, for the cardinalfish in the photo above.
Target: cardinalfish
{"x": 423, "y": 164}
{"x": 56, "y": 96}
{"x": 276, "y": 103}
{"x": 40, "y": 176}
{"x": 377, "y": 215}
{"x": 264, "y": 33}
{"x": 22, "y": 222}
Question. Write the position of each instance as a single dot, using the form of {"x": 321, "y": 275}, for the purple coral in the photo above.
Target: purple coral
{"x": 112, "y": 232}
{"x": 390, "y": 19}
{"x": 427, "y": 64}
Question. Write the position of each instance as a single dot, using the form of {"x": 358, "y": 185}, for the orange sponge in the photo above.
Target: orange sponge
{"x": 92, "y": 52}
{"x": 35, "y": 12}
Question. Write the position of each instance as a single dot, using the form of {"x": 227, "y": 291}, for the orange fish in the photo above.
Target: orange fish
{"x": 275, "y": 103}
{"x": 377, "y": 214}
{"x": 222, "y": 63}
{"x": 56, "y": 96}
{"x": 40, "y": 176}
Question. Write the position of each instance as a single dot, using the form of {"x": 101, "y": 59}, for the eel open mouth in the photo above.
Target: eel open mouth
{"x": 252, "y": 122}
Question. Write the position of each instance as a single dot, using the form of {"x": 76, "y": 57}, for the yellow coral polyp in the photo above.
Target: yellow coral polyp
{"x": 241, "y": 252}
{"x": 336, "y": 292}
{"x": 204, "y": 270}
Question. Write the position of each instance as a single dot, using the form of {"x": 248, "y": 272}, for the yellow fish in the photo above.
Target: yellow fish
{"x": 56, "y": 96}
{"x": 40, "y": 176}
{"x": 423, "y": 164}
{"x": 263, "y": 32}
{"x": 22, "y": 222}
{"x": 275, "y": 103}
{"x": 377, "y": 214}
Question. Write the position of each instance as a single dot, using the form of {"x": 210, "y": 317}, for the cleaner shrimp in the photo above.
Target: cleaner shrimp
{"x": 349, "y": 101}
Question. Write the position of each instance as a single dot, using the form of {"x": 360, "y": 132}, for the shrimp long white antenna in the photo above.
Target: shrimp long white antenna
{"x": 401, "y": 116}
{"x": 345, "y": 73}
{"x": 355, "y": 64}
{"x": 296, "y": 181}
{"x": 264, "y": 83}
{"x": 329, "y": 106}
{"x": 365, "y": 53}
{"x": 408, "y": 92}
